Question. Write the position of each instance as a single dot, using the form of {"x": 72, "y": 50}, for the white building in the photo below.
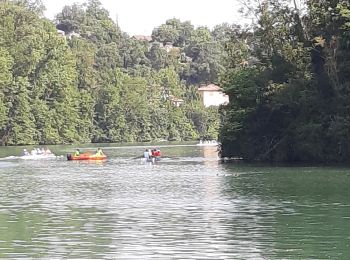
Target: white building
{"x": 61, "y": 33}
{"x": 212, "y": 95}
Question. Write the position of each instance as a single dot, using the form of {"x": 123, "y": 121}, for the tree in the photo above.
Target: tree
{"x": 6, "y": 63}
{"x": 20, "y": 128}
{"x": 173, "y": 31}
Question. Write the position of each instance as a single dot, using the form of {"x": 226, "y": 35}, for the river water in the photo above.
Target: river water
{"x": 187, "y": 206}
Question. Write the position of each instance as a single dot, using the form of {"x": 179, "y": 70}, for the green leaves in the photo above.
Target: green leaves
{"x": 288, "y": 85}
{"x": 91, "y": 82}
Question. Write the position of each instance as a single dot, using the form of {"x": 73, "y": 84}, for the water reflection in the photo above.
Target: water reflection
{"x": 302, "y": 209}
{"x": 188, "y": 206}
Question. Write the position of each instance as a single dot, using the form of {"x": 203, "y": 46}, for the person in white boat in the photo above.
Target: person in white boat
{"x": 47, "y": 151}
{"x": 25, "y": 152}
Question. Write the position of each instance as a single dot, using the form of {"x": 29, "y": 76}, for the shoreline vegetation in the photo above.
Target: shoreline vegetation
{"x": 81, "y": 79}
{"x": 288, "y": 80}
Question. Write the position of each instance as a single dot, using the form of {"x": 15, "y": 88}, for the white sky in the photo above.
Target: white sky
{"x": 141, "y": 16}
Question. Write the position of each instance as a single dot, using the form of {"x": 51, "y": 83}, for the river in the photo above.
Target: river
{"x": 187, "y": 206}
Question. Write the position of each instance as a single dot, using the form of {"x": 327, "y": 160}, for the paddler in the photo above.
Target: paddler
{"x": 77, "y": 152}
{"x": 146, "y": 154}
{"x": 99, "y": 152}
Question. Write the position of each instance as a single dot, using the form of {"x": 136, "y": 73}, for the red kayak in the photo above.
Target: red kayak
{"x": 86, "y": 156}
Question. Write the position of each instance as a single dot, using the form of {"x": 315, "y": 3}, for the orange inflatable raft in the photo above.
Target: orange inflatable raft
{"x": 86, "y": 156}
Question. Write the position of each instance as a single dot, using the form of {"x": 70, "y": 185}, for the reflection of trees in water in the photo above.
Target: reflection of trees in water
{"x": 299, "y": 211}
{"x": 244, "y": 219}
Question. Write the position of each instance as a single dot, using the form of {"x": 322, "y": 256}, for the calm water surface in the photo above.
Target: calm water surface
{"x": 187, "y": 206}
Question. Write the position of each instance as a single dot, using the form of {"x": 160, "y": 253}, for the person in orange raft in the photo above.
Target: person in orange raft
{"x": 99, "y": 152}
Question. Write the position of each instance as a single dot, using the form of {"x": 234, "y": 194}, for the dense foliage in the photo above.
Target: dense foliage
{"x": 288, "y": 80}
{"x": 92, "y": 82}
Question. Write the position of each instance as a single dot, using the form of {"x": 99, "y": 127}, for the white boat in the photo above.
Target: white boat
{"x": 38, "y": 156}
{"x": 150, "y": 160}
{"x": 208, "y": 143}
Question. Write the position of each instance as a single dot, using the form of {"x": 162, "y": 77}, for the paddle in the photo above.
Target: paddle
{"x": 138, "y": 157}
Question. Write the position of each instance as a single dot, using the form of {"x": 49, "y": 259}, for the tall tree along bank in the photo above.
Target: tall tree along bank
{"x": 289, "y": 84}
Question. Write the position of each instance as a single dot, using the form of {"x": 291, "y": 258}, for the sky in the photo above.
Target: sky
{"x": 140, "y": 17}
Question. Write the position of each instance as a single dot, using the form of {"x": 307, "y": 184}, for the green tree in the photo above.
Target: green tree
{"x": 20, "y": 128}
{"x": 5, "y": 83}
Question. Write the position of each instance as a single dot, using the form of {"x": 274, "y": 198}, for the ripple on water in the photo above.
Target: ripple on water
{"x": 181, "y": 208}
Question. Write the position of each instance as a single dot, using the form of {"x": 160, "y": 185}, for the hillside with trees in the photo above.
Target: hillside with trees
{"x": 288, "y": 79}
{"x": 80, "y": 78}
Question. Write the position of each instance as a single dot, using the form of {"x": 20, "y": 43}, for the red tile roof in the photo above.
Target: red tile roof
{"x": 210, "y": 87}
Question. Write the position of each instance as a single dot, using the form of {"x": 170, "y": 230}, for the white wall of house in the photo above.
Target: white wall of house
{"x": 214, "y": 98}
